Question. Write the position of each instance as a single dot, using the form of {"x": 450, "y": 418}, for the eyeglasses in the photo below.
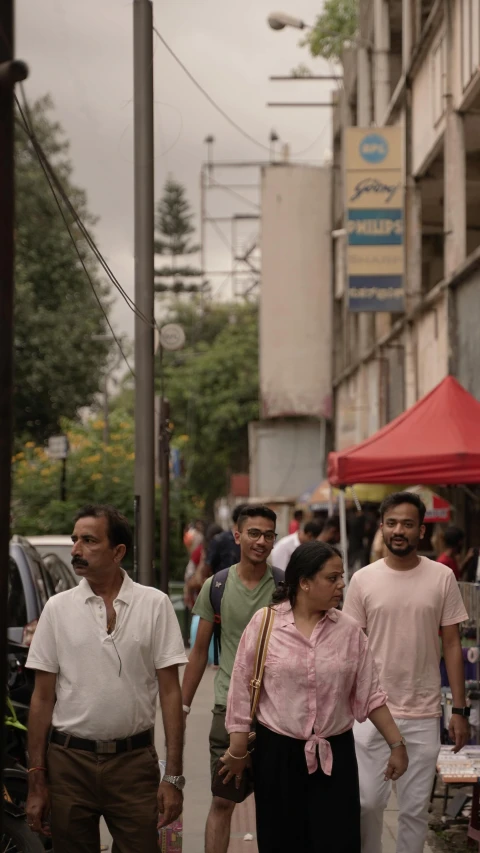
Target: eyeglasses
{"x": 255, "y": 534}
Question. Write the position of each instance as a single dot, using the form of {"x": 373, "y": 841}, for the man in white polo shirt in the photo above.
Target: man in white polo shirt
{"x": 102, "y": 652}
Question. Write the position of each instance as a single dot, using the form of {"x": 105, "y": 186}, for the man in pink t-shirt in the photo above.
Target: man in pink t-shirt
{"x": 402, "y": 602}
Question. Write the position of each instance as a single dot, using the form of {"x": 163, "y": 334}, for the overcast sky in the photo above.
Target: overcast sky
{"x": 81, "y": 53}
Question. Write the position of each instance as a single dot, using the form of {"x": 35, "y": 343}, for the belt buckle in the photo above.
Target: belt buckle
{"x": 105, "y": 747}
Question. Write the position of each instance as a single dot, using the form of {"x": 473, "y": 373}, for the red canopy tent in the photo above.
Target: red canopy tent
{"x": 435, "y": 441}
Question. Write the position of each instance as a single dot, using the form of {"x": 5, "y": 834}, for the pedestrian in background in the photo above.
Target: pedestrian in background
{"x": 102, "y": 652}
{"x": 454, "y": 540}
{"x": 296, "y": 522}
{"x": 319, "y": 677}
{"x": 249, "y": 587}
{"x": 330, "y": 533}
{"x": 223, "y": 550}
{"x": 197, "y": 570}
{"x": 402, "y": 601}
{"x": 284, "y": 548}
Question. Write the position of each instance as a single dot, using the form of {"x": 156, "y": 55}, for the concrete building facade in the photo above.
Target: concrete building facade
{"x": 288, "y": 446}
{"x": 415, "y": 64}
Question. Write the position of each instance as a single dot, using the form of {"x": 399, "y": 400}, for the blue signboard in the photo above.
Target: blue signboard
{"x": 374, "y": 193}
{"x": 376, "y": 293}
{"x": 375, "y": 227}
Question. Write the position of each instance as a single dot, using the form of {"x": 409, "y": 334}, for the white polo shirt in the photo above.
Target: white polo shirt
{"x": 96, "y": 697}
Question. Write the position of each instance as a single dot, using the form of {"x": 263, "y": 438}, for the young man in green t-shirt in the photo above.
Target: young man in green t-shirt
{"x": 249, "y": 587}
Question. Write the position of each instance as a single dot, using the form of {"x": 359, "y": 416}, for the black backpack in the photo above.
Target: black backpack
{"x": 217, "y": 589}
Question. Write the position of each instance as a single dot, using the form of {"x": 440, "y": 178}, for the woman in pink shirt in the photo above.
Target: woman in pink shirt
{"x": 319, "y": 677}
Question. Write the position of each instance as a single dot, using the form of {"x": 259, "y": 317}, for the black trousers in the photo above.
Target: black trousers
{"x": 298, "y": 811}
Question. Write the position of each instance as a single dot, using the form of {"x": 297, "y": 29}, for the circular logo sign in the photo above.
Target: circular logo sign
{"x": 374, "y": 148}
{"x": 172, "y": 336}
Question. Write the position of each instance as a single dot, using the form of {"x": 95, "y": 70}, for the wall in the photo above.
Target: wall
{"x": 286, "y": 458}
{"x": 295, "y": 304}
{"x": 468, "y": 338}
{"x": 432, "y": 348}
{"x": 428, "y": 104}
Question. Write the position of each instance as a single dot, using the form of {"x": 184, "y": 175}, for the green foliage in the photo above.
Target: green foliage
{"x": 212, "y": 386}
{"x": 174, "y": 226}
{"x": 57, "y": 366}
{"x": 301, "y": 70}
{"x": 336, "y": 25}
{"x": 96, "y": 473}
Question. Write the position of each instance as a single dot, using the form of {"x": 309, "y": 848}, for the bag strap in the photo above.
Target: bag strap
{"x": 260, "y": 658}
{"x": 217, "y": 588}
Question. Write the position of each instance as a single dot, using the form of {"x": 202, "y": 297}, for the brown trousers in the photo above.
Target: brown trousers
{"x": 121, "y": 788}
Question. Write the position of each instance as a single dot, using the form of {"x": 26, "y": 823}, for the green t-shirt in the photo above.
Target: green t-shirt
{"x": 238, "y": 606}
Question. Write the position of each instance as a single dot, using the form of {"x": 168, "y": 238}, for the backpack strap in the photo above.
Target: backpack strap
{"x": 260, "y": 658}
{"x": 217, "y": 588}
{"x": 278, "y": 575}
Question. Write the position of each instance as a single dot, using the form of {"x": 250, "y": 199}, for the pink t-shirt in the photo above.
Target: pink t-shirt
{"x": 401, "y": 612}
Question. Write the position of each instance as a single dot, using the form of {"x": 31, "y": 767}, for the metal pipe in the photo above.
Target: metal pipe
{"x": 144, "y": 292}
{"x": 7, "y": 219}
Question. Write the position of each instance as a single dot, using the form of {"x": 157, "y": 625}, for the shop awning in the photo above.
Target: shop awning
{"x": 365, "y": 492}
{"x": 435, "y": 441}
{"x": 438, "y": 509}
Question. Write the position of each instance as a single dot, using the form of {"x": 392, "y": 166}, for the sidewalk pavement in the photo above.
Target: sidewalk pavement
{"x": 197, "y": 792}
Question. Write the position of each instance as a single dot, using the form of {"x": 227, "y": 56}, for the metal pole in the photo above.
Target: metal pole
{"x": 63, "y": 481}
{"x": 165, "y": 477}
{"x": 343, "y": 533}
{"x": 106, "y": 412}
{"x": 144, "y": 294}
{"x": 10, "y": 72}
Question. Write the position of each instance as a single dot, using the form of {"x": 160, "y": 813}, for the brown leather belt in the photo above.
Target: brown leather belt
{"x": 102, "y": 747}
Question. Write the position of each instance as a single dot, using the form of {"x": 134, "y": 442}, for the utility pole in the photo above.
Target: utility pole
{"x": 11, "y": 72}
{"x": 164, "y": 459}
{"x": 144, "y": 294}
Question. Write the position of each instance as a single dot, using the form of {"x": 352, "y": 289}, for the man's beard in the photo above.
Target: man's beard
{"x": 408, "y": 548}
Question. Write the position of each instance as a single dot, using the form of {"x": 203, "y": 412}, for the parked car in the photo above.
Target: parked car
{"x": 61, "y": 546}
{"x": 62, "y": 577}
{"x": 29, "y": 588}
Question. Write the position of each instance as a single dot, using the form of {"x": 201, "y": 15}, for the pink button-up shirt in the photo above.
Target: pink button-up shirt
{"x": 312, "y": 689}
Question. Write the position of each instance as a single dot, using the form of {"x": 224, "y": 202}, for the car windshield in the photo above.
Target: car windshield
{"x": 64, "y": 552}
{"x": 61, "y": 578}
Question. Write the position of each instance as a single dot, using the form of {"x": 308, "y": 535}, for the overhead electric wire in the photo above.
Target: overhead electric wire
{"x": 207, "y": 96}
{"x": 46, "y": 165}
{"x": 74, "y": 242}
{"x": 220, "y": 110}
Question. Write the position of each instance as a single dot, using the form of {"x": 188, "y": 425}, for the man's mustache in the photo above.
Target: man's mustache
{"x": 77, "y": 561}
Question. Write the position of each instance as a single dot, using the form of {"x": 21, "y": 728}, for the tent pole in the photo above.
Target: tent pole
{"x": 343, "y": 533}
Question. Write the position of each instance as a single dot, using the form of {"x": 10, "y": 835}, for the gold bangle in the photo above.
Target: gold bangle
{"x": 237, "y": 757}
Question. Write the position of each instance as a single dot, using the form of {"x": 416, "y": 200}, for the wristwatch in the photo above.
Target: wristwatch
{"x": 401, "y": 742}
{"x": 464, "y": 712}
{"x": 177, "y": 781}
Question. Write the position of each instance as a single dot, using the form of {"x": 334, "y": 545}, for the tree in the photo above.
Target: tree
{"x": 174, "y": 227}
{"x": 212, "y": 386}
{"x": 96, "y": 473}
{"x": 301, "y": 70}
{"x": 336, "y": 25}
{"x": 57, "y": 365}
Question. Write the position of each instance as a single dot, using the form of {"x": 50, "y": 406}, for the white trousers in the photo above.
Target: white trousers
{"x": 413, "y": 789}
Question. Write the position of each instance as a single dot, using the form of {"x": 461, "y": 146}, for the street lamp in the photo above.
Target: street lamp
{"x": 279, "y": 20}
